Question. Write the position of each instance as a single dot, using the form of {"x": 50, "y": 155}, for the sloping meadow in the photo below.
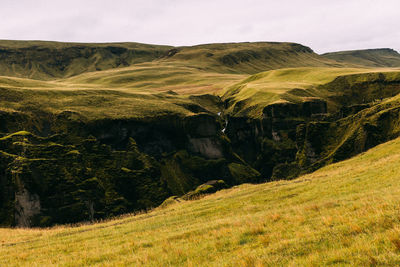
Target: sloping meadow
{"x": 343, "y": 214}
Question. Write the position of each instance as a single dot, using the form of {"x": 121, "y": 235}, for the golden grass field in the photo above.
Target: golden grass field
{"x": 344, "y": 214}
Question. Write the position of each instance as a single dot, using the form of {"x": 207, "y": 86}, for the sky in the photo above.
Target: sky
{"x": 323, "y": 25}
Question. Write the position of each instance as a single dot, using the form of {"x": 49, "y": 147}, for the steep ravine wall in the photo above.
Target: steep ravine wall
{"x": 61, "y": 169}
{"x": 270, "y": 141}
{"x": 346, "y": 116}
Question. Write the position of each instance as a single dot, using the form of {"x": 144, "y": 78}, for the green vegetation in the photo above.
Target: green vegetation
{"x": 290, "y": 121}
{"x": 101, "y": 104}
{"x": 337, "y": 140}
{"x": 343, "y": 214}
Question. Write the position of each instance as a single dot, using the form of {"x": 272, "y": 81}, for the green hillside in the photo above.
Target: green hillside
{"x": 140, "y": 67}
{"x": 92, "y": 131}
{"x": 373, "y": 58}
{"x": 250, "y": 58}
{"x": 290, "y": 121}
{"x": 343, "y": 214}
{"x": 49, "y": 60}
{"x": 252, "y": 95}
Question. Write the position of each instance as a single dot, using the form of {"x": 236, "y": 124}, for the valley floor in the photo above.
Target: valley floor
{"x": 343, "y": 214}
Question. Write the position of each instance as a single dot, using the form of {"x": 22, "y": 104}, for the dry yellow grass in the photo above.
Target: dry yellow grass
{"x": 344, "y": 214}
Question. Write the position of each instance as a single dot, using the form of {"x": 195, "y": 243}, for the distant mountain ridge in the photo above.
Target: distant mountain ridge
{"x": 381, "y": 57}
{"x": 251, "y": 58}
{"x": 49, "y": 60}
{"x": 46, "y": 60}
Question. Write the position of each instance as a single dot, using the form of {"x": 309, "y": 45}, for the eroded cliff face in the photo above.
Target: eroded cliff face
{"x": 63, "y": 169}
{"x": 27, "y": 206}
{"x": 268, "y": 142}
{"x": 295, "y": 138}
{"x": 320, "y": 143}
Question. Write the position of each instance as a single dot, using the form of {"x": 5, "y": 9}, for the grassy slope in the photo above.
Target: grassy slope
{"x": 343, "y": 214}
{"x": 376, "y": 58}
{"x": 293, "y": 85}
{"x": 250, "y": 58}
{"x": 133, "y": 88}
{"x": 49, "y": 60}
{"x": 134, "y": 65}
{"x": 99, "y": 104}
{"x": 140, "y": 90}
{"x": 136, "y": 91}
{"x": 157, "y": 76}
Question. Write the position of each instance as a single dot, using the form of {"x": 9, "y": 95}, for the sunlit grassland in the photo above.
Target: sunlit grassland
{"x": 182, "y": 78}
{"x": 293, "y": 84}
{"x": 190, "y": 70}
{"x": 132, "y": 92}
{"x": 146, "y": 77}
{"x": 143, "y": 90}
{"x": 99, "y": 104}
{"x": 344, "y": 214}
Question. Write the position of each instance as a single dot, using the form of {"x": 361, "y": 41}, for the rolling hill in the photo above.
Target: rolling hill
{"x": 92, "y": 131}
{"x": 252, "y": 95}
{"x": 373, "y": 58}
{"x": 288, "y": 121}
{"x": 343, "y": 214}
{"x": 140, "y": 67}
{"x": 47, "y": 60}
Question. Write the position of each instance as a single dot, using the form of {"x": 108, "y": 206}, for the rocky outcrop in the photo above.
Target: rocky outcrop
{"x": 27, "y": 205}
{"x": 307, "y": 108}
{"x": 204, "y": 189}
{"x": 208, "y": 147}
{"x": 203, "y": 132}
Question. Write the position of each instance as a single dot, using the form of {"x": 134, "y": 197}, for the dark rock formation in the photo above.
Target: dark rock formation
{"x": 64, "y": 169}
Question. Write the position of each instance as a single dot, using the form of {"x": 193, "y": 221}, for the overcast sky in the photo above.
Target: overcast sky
{"x": 324, "y": 25}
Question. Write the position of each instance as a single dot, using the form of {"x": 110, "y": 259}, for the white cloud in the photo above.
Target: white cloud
{"x": 323, "y": 25}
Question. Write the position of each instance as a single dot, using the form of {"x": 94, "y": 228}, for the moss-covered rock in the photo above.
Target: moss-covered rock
{"x": 170, "y": 201}
{"x": 78, "y": 182}
{"x": 204, "y": 189}
{"x": 285, "y": 171}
